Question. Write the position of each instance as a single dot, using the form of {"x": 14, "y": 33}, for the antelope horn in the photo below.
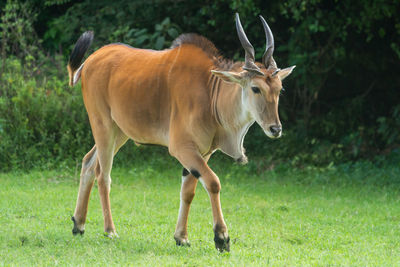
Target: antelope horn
{"x": 267, "y": 58}
{"x": 249, "y": 64}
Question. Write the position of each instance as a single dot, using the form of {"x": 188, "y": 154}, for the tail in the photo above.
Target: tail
{"x": 74, "y": 64}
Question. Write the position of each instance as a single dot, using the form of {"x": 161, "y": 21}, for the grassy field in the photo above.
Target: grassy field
{"x": 346, "y": 215}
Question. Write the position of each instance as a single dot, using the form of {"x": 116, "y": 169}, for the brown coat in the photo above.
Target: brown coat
{"x": 186, "y": 98}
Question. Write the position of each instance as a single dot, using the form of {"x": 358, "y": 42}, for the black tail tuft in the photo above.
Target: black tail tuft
{"x": 81, "y": 46}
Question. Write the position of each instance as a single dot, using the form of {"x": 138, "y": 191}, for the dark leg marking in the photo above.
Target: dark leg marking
{"x": 195, "y": 173}
{"x": 75, "y": 230}
{"x": 185, "y": 172}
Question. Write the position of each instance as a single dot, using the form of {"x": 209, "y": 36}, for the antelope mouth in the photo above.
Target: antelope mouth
{"x": 242, "y": 160}
{"x": 272, "y": 134}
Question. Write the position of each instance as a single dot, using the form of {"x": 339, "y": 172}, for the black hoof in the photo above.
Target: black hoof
{"x": 182, "y": 243}
{"x": 222, "y": 244}
{"x": 75, "y": 230}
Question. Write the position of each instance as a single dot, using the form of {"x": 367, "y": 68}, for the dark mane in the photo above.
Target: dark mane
{"x": 207, "y": 46}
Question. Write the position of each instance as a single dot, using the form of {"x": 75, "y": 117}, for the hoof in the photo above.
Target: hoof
{"x": 182, "y": 242}
{"x": 221, "y": 244}
{"x": 76, "y": 230}
{"x": 111, "y": 234}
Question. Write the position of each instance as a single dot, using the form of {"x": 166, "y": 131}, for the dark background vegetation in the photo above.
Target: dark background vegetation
{"x": 342, "y": 102}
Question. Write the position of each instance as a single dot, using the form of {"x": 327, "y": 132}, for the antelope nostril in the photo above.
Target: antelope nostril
{"x": 275, "y": 129}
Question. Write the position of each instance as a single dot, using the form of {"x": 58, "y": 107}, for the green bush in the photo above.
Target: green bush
{"x": 341, "y": 101}
{"x": 388, "y": 127}
{"x": 42, "y": 120}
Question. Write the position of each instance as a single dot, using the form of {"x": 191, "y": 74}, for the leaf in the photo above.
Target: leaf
{"x": 140, "y": 40}
{"x": 166, "y": 21}
{"x": 159, "y": 43}
{"x": 172, "y": 32}
{"x": 140, "y": 32}
{"x": 158, "y": 27}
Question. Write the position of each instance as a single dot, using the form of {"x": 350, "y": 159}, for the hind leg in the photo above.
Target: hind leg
{"x": 90, "y": 166}
{"x": 85, "y": 187}
{"x": 108, "y": 144}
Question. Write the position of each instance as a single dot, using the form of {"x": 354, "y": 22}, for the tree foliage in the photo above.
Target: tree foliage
{"x": 342, "y": 101}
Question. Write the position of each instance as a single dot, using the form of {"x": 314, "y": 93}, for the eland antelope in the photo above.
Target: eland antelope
{"x": 187, "y": 98}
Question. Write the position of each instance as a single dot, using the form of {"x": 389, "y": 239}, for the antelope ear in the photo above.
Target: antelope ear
{"x": 229, "y": 76}
{"x": 285, "y": 72}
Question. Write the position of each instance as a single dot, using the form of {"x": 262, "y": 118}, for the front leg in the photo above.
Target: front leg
{"x": 188, "y": 189}
{"x": 213, "y": 187}
{"x": 198, "y": 167}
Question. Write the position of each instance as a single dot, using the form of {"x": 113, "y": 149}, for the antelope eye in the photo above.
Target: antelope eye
{"x": 256, "y": 90}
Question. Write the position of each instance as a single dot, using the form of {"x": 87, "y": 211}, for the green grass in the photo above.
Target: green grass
{"x": 346, "y": 215}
